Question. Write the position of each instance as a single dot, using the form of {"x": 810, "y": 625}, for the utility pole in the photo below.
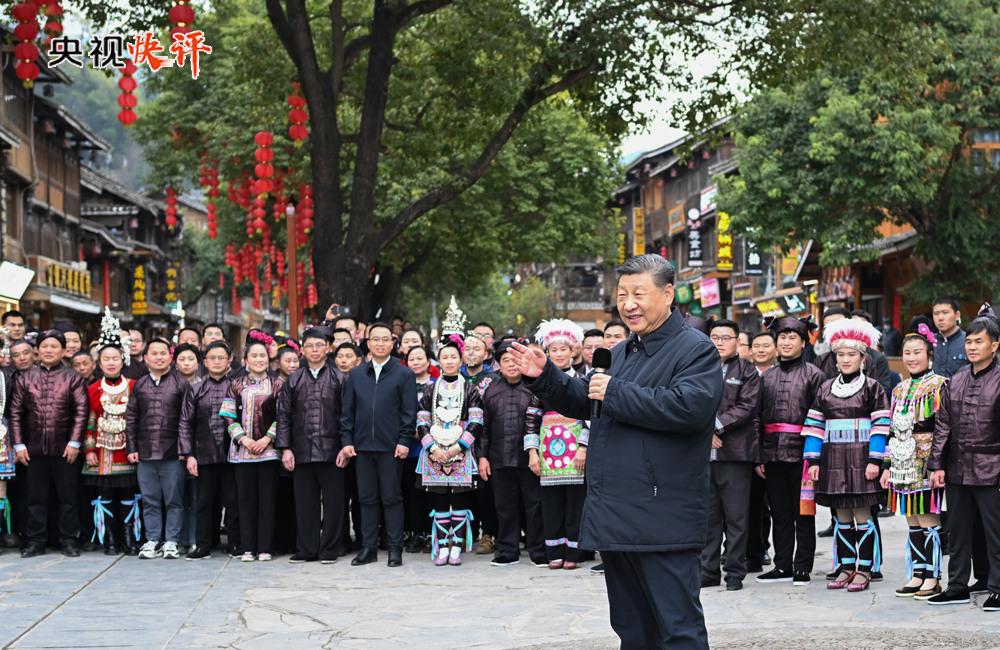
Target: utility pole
{"x": 292, "y": 268}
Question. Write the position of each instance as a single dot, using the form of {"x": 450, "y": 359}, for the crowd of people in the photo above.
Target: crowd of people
{"x": 178, "y": 446}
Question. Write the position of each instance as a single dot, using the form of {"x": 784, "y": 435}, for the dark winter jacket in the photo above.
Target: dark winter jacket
{"x": 48, "y": 410}
{"x": 202, "y": 431}
{"x": 739, "y": 413}
{"x": 967, "y": 430}
{"x": 510, "y": 411}
{"x": 949, "y": 356}
{"x": 379, "y": 415}
{"x": 153, "y": 416}
{"x": 647, "y": 462}
{"x": 309, "y": 412}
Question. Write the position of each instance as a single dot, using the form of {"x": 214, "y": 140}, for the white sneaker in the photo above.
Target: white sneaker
{"x": 264, "y": 557}
{"x": 247, "y": 557}
{"x": 170, "y": 551}
{"x": 150, "y": 551}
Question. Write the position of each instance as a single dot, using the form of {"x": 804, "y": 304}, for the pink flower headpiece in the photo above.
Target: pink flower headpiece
{"x": 458, "y": 341}
{"x": 926, "y": 332}
{"x": 293, "y": 345}
{"x": 257, "y": 335}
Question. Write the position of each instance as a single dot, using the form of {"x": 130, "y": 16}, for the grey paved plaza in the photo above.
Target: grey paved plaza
{"x": 100, "y": 602}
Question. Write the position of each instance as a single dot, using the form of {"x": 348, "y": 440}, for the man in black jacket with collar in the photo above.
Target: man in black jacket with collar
{"x": 647, "y": 464}
{"x": 378, "y": 423}
{"x": 308, "y": 428}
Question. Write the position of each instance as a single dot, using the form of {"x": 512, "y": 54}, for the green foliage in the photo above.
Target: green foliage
{"x": 833, "y": 157}
{"x": 519, "y": 311}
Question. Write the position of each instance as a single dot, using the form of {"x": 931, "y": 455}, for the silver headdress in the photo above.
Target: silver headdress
{"x": 113, "y": 336}
{"x": 454, "y": 320}
{"x": 5, "y": 337}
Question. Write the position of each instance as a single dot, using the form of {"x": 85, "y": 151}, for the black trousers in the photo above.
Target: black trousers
{"x": 212, "y": 480}
{"x": 415, "y": 504}
{"x": 513, "y": 486}
{"x": 793, "y": 533}
{"x": 379, "y": 479}
{"x": 759, "y": 524}
{"x": 964, "y": 501}
{"x": 654, "y": 599}
{"x": 485, "y": 510}
{"x": 257, "y": 490}
{"x": 729, "y": 511}
{"x": 352, "y": 504}
{"x": 562, "y": 509}
{"x": 316, "y": 485}
{"x": 42, "y": 473}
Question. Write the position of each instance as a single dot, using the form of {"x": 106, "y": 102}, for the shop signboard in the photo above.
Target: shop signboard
{"x": 710, "y": 292}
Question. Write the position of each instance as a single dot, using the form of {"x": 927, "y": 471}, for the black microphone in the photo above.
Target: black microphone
{"x": 601, "y": 363}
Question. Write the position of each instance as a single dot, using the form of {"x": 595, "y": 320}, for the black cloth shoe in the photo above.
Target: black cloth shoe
{"x": 836, "y": 572}
{"x": 801, "y": 578}
{"x": 828, "y": 531}
{"x": 32, "y": 550}
{"x": 366, "y": 556}
{"x": 234, "y": 551}
{"x": 775, "y": 575}
{"x": 979, "y": 587}
{"x": 89, "y": 547}
{"x": 733, "y": 584}
{"x": 766, "y": 561}
{"x": 198, "y": 553}
{"x": 542, "y": 561}
{"x": 597, "y": 568}
{"x": 950, "y": 597}
{"x": 505, "y": 560}
{"x": 71, "y": 550}
{"x": 876, "y": 576}
{"x": 328, "y": 560}
{"x": 992, "y": 603}
{"x": 395, "y": 556}
{"x": 709, "y": 582}
{"x": 300, "y": 559}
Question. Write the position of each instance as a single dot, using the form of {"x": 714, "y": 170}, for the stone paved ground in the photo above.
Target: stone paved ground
{"x": 99, "y": 602}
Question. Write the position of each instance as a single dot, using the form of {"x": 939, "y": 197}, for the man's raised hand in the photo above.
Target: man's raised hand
{"x": 531, "y": 360}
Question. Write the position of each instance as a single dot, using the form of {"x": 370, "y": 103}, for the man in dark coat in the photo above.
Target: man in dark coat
{"x": 49, "y": 408}
{"x": 965, "y": 460}
{"x": 647, "y": 467}
{"x": 378, "y": 422}
{"x": 308, "y": 428}
{"x": 735, "y": 453}
{"x": 204, "y": 439}
{"x": 510, "y": 412}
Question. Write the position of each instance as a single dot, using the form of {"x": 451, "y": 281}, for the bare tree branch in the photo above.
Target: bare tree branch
{"x": 441, "y": 195}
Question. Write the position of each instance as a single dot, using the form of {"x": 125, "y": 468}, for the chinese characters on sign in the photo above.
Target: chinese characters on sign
{"x": 139, "y": 291}
{"x": 742, "y": 293}
{"x": 724, "y": 258}
{"x": 710, "y": 292}
{"x": 708, "y": 198}
{"x": 59, "y": 276}
{"x": 639, "y": 226}
{"x": 621, "y": 248}
{"x": 171, "y": 295}
{"x": 108, "y": 51}
{"x": 694, "y": 238}
{"x": 752, "y": 262}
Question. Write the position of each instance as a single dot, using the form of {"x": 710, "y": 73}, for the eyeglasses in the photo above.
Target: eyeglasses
{"x": 317, "y": 346}
{"x": 722, "y": 339}
{"x": 383, "y": 339}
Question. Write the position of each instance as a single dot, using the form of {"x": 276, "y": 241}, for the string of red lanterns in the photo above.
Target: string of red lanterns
{"x": 182, "y": 15}
{"x": 171, "y": 207}
{"x": 127, "y": 100}
{"x": 25, "y": 13}
{"x": 297, "y": 116}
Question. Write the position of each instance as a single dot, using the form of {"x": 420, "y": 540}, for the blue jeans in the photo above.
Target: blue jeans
{"x": 161, "y": 483}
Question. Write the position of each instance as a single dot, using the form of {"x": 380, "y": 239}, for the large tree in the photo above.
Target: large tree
{"x": 382, "y": 77}
{"x": 835, "y": 156}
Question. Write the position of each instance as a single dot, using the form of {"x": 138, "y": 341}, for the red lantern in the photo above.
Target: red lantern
{"x": 182, "y": 15}
{"x": 297, "y": 116}
{"x": 127, "y": 100}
